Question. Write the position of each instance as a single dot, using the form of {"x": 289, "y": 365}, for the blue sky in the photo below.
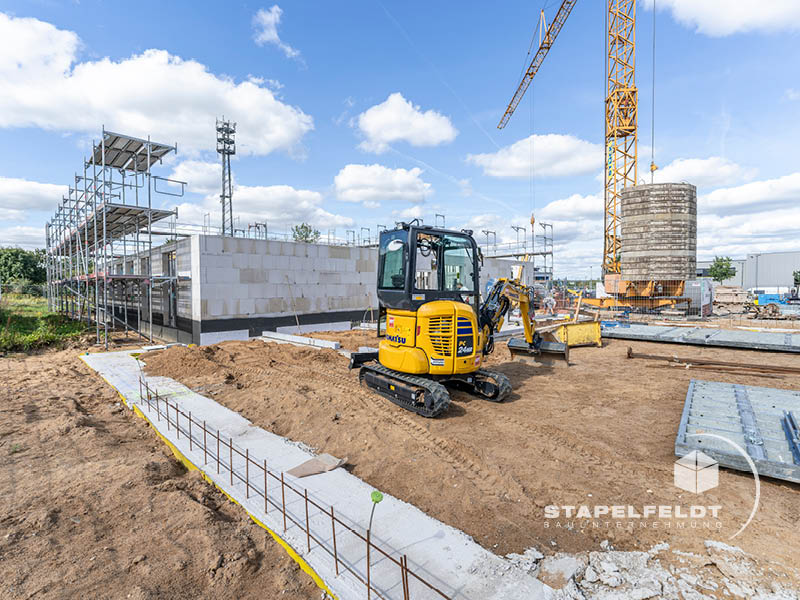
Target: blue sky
{"x": 359, "y": 113}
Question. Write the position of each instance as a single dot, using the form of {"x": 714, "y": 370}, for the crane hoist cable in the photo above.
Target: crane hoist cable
{"x": 653, "y": 166}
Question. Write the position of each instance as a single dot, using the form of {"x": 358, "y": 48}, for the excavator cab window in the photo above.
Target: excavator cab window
{"x": 392, "y": 260}
{"x": 426, "y": 276}
{"x": 444, "y": 263}
{"x": 459, "y": 262}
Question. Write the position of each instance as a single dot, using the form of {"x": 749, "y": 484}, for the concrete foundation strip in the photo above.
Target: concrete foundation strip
{"x": 328, "y": 545}
{"x": 234, "y": 451}
{"x": 163, "y": 408}
{"x": 299, "y": 340}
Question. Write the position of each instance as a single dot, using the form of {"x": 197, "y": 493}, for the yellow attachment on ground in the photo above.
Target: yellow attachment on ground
{"x": 581, "y": 333}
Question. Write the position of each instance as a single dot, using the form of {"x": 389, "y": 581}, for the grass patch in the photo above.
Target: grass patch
{"x": 26, "y": 324}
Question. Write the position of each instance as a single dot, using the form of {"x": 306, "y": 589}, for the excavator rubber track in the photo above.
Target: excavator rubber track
{"x": 417, "y": 394}
{"x": 498, "y": 388}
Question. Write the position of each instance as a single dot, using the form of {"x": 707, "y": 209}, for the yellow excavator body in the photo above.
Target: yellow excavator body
{"x": 440, "y": 338}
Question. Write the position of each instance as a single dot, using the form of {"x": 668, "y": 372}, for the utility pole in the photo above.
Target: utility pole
{"x": 517, "y": 228}
{"x": 486, "y": 232}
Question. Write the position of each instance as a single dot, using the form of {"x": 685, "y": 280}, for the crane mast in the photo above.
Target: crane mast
{"x": 621, "y": 121}
{"x": 621, "y": 110}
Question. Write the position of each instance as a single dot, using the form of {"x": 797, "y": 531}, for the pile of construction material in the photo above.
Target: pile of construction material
{"x": 730, "y": 299}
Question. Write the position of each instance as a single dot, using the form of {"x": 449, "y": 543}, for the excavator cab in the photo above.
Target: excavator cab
{"x": 418, "y": 264}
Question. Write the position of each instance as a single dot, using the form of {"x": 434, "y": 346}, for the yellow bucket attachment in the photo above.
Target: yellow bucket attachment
{"x": 547, "y": 352}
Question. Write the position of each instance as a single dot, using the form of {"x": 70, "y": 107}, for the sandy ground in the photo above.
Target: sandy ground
{"x": 94, "y": 506}
{"x": 601, "y": 431}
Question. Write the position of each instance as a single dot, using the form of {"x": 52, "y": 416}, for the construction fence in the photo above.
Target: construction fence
{"x": 263, "y": 482}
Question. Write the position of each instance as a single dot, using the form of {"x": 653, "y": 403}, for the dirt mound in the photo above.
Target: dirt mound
{"x": 96, "y": 507}
{"x": 194, "y": 360}
{"x": 231, "y": 359}
{"x": 599, "y": 432}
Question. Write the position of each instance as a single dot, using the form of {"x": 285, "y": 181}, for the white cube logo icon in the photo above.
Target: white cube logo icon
{"x": 696, "y": 472}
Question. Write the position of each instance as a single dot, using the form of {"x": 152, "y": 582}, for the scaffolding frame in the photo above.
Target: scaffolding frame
{"x": 99, "y": 243}
{"x": 546, "y": 253}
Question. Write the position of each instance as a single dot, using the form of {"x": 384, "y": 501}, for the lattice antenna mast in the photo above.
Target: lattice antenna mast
{"x": 226, "y": 147}
{"x": 621, "y": 122}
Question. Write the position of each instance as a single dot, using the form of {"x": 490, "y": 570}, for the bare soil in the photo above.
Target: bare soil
{"x": 599, "y": 432}
{"x": 92, "y": 505}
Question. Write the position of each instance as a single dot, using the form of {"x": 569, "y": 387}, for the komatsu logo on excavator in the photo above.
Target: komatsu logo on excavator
{"x": 396, "y": 339}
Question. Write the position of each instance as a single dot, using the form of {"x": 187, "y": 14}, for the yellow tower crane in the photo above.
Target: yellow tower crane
{"x": 620, "y": 172}
{"x": 621, "y": 108}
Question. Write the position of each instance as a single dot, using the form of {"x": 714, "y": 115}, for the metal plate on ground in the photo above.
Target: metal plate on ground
{"x": 751, "y": 417}
{"x": 706, "y": 336}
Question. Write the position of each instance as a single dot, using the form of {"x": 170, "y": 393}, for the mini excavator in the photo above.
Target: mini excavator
{"x": 437, "y": 330}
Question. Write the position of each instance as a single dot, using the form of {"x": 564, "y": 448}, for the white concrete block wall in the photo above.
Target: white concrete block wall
{"x": 198, "y": 275}
{"x": 240, "y": 278}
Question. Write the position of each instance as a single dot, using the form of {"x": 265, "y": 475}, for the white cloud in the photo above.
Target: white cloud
{"x": 742, "y": 234}
{"x": 152, "y": 93}
{"x": 578, "y": 241}
{"x": 702, "y": 172}
{"x": 718, "y": 18}
{"x": 792, "y": 94}
{"x": 202, "y": 177}
{"x": 412, "y": 212}
{"x": 465, "y": 185}
{"x": 574, "y": 207}
{"x": 372, "y": 184}
{"x": 396, "y": 119}
{"x": 265, "y": 23}
{"x": 23, "y": 236}
{"x": 19, "y": 196}
{"x": 554, "y": 155}
{"x": 278, "y": 205}
{"x": 757, "y": 196}
{"x": 499, "y": 224}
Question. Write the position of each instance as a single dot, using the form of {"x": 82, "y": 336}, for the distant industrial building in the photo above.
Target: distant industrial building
{"x": 760, "y": 271}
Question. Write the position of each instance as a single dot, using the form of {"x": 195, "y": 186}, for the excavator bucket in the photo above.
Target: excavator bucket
{"x": 546, "y": 353}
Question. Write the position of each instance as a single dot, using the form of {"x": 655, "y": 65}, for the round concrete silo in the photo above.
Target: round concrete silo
{"x": 659, "y": 232}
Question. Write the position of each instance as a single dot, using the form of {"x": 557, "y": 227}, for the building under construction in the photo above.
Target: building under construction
{"x": 100, "y": 260}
